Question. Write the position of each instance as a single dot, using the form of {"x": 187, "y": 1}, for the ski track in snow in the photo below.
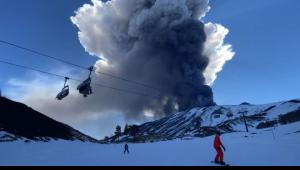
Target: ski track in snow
{"x": 262, "y": 148}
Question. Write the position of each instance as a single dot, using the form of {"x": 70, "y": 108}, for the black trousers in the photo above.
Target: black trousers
{"x": 126, "y": 150}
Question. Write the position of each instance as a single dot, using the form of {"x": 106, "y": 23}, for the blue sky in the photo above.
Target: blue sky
{"x": 264, "y": 34}
{"x": 43, "y": 25}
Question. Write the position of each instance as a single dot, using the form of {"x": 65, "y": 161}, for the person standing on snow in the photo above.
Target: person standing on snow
{"x": 217, "y": 145}
{"x": 126, "y": 149}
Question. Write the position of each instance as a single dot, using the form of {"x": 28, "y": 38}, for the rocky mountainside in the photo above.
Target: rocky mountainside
{"x": 202, "y": 122}
{"x": 19, "y": 122}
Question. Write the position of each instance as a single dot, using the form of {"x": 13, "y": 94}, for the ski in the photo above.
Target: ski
{"x": 219, "y": 163}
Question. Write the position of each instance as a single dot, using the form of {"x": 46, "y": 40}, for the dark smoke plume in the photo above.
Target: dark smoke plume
{"x": 157, "y": 42}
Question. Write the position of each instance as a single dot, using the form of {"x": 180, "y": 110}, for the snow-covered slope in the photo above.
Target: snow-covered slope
{"x": 271, "y": 146}
{"x": 273, "y": 139}
{"x": 7, "y": 137}
{"x": 202, "y": 122}
{"x": 19, "y": 122}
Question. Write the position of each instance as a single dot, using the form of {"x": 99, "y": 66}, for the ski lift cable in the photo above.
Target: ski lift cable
{"x": 41, "y": 54}
{"x": 77, "y": 80}
{"x": 76, "y": 65}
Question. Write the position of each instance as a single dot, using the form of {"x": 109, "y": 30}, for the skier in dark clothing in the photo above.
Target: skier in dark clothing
{"x": 126, "y": 149}
{"x": 217, "y": 145}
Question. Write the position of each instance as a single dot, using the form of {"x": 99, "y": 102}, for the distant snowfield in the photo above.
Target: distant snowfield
{"x": 262, "y": 148}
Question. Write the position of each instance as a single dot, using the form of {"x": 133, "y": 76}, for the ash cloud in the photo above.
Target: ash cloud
{"x": 217, "y": 52}
{"x": 158, "y": 42}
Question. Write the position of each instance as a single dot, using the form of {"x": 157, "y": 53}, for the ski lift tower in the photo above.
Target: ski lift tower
{"x": 243, "y": 111}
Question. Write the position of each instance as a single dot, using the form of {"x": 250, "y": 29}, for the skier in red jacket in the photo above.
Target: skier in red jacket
{"x": 217, "y": 145}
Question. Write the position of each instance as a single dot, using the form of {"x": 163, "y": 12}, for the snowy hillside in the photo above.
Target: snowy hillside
{"x": 19, "y": 122}
{"x": 273, "y": 138}
{"x": 270, "y": 146}
{"x": 202, "y": 122}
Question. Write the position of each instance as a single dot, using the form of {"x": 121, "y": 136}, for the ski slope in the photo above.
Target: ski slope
{"x": 202, "y": 122}
{"x": 282, "y": 147}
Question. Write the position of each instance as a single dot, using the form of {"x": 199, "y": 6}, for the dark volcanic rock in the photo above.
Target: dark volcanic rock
{"x": 24, "y": 122}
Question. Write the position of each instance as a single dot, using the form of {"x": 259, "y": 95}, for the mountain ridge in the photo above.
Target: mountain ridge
{"x": 20, "y": 122}
{"x": 205, "y": 121}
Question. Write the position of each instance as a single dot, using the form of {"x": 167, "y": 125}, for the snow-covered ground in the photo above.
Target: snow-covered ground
{"x": 262, "y": 148}
{"x": 227, "y": 118}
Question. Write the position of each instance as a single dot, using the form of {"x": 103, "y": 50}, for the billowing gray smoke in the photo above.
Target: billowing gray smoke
{"x": 157, "y": 42}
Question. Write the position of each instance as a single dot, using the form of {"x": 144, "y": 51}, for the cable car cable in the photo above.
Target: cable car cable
{"x": 75, "y": 65}
{"x": 74, "y": 79}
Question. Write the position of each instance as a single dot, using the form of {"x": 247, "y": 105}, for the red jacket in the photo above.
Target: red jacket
{"x": 217, "y": 142}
